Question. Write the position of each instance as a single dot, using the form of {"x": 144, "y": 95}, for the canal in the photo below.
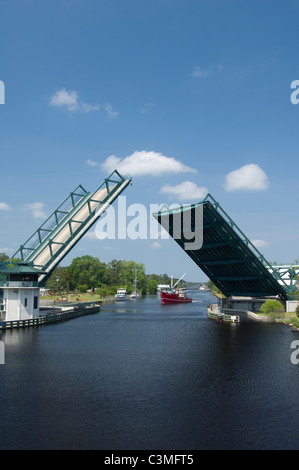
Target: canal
{"x": 141, "y": 375}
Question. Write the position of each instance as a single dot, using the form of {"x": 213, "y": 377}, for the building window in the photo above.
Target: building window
{"x": 25, "y": 302}
{"x": 35, "y": 302}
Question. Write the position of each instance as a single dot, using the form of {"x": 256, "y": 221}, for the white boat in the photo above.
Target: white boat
{"x": 121, "y": 294}
{"x": 161, "y": 287}
{"x": 135, "y": 294}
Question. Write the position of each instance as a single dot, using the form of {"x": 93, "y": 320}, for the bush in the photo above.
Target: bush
{"x": 82, "y": 288}
{"x": 273, "y": 308}
{"x": 297, "y": 311}
{"x": 106, "y": 291}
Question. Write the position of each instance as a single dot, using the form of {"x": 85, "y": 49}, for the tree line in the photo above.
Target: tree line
{"x": 89, "y": 273}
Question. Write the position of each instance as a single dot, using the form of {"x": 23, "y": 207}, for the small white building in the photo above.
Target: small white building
{"x": 21, "y": 293}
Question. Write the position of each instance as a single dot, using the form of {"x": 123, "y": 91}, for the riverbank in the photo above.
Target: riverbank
{"x": 288, "y": 319}
{"x": 257, "y": 317}
{"x": 75, "y": 299}
{"x": 282, "y": 315}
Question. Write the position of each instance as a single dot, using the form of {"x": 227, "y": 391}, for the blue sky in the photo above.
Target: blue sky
{"x": 189, "y": 95}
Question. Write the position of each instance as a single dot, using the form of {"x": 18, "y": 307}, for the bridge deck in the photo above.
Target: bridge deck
{"x": 68, "y": 224}
{"x": 226, "y": 256}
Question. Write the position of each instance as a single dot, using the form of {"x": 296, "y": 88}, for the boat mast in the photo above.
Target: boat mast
{"x": 135, "y": 281}
{"x": 178, "y": 280}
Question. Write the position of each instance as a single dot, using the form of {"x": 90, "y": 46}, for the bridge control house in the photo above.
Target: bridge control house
{"x": 20, "y": 292}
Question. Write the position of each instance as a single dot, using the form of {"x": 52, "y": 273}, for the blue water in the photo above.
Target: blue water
{"x": 141, "y": 375}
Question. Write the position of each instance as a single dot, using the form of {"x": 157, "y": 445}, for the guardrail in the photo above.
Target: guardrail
{"x": 50, "y": 318}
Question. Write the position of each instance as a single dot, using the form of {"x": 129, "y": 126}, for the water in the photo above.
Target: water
{"x": 141, "y": 375}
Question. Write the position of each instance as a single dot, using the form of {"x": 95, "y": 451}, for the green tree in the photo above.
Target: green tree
{"x": 272, "y": 308}
{"x": 121, "y": 273}
{"x": 3, "y": 257}
{"x": 82, "y": 288}
{"x": 152, "y": 286}
{"x": 127, "y": 275}
{"x": 60, "y": 280}
{"x": 112, "y": 272}
{"x": 87, "y": 270}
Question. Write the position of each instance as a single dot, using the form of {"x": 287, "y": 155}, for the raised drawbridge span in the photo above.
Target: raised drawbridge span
{"x": 53, "y": 240}
{"x": 225, "y": 255}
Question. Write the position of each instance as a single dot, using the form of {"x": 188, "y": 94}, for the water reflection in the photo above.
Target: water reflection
{"x": 142, "y": 375}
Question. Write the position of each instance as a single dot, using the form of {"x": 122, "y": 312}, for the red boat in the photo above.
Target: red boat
{"x": 175, "y": 297}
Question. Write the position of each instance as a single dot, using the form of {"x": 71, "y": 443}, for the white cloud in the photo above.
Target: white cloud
{"x": 147, "y": 107}
{"x": 145, "y": 163}
{"x": 110, "y": 111}
{"x": 156, "y": 245}
{"x": 91, "y": 162}
{"x": 260, "y": 243}
{"x": 6, "y": 250}
{"x": 199, "y": 72}
{"x": 37, "y": 210}
{"x": 185, "y": 191}
{"x": 4, "y": 206}
{"x": 70, "y": 100}
{"x": 62, "y": 97}
{"x": 249, "y": 177}
{"x": 203, "y": 73}
{"x": 86, "y": 108}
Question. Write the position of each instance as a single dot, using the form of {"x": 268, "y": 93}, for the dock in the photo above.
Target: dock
{"x": 53, "y": 315}
{"x": 222, "y": 315}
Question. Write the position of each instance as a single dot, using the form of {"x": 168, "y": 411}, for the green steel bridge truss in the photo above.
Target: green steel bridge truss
{"x": 53, "y": 240}
{"x": 226, "y": 255}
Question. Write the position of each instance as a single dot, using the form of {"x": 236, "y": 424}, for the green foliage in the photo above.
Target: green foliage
{"x": 152, "y": 286}
{"x": 213, "y": 288}
{"x": 3, "y": 257}
{"x": 272, "y": 308}
{"x": 60, "y": 280}
{"x": 86, "y": 270}
{"x": 82, "y": 288}
{"x": 297, "y": 310}
{"x": 106, "y": 291}
{"x": 11, "y": 262}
